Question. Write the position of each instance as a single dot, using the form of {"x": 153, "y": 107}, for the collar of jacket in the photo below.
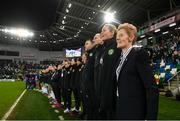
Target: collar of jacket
{"x": 109, "y": 42}
{"x": 74, "y": 66}
{"x": 99, "y": 46}
{"x": 68, "y": 68}
{"x": 91, "y": 50}
{"x": 78, "y": 66}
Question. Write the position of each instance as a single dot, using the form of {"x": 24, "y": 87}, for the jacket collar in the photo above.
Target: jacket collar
{"x": 130, "y": 55}
{"x": 109, "y": 42}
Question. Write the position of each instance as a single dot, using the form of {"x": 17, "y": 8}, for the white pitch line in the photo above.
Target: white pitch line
{"x": 13, "y": 106}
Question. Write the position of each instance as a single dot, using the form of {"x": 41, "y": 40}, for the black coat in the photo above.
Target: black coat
{"x": 77, "y": 77}
{"x": 107, "y": 64}
{"x": 47, "y": 77}
{"x": 66, "y": 78}
{"x": 97, "y": 80}
{"x": 62, "y": 77}
{"x": 138, "y": 95}
{"x": 56, "y": 78}
{"x": 88, "y": 73}
{"x": 73, "y": 71}
{"x": 81, "y": 81}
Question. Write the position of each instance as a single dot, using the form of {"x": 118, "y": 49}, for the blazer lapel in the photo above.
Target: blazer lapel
{"x": 116, "y": 65}
{"x": 127, "y": 59}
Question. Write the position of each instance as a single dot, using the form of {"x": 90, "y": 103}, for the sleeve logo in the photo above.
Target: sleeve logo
{"x": 111, "y": 51}
{"x": 91, "y": 54}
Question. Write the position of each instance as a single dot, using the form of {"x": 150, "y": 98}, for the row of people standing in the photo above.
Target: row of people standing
{"x": 114, "y": 80}
{"x": 65, "y": 80}
{"x": 118, "y": 77}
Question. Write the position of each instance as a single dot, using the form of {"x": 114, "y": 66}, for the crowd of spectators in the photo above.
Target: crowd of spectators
{"x": 12, "y": 70}
{"x": 168, "y": 50}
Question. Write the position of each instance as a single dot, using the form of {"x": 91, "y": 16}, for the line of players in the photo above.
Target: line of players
{"x": 94, "y": 82}
{"x": 82, "y": 77}
{"x": 66, "y": 79}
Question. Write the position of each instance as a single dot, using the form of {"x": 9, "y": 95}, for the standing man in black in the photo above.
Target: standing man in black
{"x": 108, "y": 58}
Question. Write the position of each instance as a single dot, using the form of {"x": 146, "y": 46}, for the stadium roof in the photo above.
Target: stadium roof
{"x": 60, "y": 24}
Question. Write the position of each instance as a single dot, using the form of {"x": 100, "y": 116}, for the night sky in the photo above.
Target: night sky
{"x": 32, "y": 14}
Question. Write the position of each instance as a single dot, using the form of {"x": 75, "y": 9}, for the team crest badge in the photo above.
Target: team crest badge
{"x": 91, "y": 54}
{"x": 110, "y": 52}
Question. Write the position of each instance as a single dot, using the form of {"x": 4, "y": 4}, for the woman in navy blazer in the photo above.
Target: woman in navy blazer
{"x": 136, "y": 94}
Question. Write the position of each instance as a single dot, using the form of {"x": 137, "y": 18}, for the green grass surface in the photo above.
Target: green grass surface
{"x": 9, "y": 92}
{"x": 33, "y": 106}
{"x": 169, "y": 109}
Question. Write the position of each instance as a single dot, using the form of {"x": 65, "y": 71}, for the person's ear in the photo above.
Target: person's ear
{"x": 131, "y": 37}
{"x": 112, "y": 34}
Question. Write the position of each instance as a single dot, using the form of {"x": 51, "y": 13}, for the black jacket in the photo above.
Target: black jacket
{"x": 88, "y": 73}
{"x": 97, "y": 80}
{"x": 77, "y": 77}
{"x": 47, "y": 77}
{"x": 81, "y": 81}
{"x": 56, "y": 76}
{"x": 66, "y": 78}
{"x": 107, "y": 64}
{"x": 62, "y": 77}
{"x": 73, "y": 70}
{"x": 138, "y": 95}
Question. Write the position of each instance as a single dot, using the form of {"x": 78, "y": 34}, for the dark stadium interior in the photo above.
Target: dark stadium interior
{"x": 89, "y": 60}
{"x": 45, "y": 18}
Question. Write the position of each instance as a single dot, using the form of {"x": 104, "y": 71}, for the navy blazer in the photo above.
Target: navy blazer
{"x": 138, "y": 94}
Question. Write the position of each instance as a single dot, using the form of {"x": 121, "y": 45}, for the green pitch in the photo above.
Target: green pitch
{"x": 169, "y": 109}
{"x": 9, "y": 92}
{"x": 32, "y": 106}
{"x": 35, "y": 106}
